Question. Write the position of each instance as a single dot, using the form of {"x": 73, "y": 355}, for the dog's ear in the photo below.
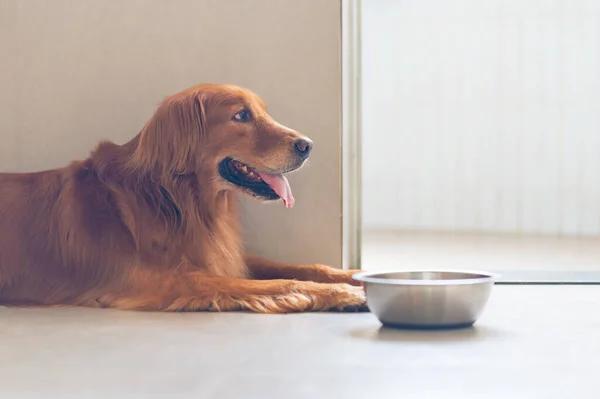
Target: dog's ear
{"x": 169, "y": 143}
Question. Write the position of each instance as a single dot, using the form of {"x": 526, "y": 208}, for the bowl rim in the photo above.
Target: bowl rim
{"x": 370, "y": 277}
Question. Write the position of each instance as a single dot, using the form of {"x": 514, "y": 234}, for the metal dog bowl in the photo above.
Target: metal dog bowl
{"x": 427, "y": 299}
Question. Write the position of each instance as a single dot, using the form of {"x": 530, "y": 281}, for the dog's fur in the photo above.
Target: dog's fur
{"x": 151, "y": 225}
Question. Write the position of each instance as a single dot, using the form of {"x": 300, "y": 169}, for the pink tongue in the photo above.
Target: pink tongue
{"x": 281, "y": 185}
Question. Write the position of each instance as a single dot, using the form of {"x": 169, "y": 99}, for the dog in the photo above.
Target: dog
{"x": 152, "y": 224}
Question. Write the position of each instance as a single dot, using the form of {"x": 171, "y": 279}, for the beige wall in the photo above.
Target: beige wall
{"x": 77, "y": 71}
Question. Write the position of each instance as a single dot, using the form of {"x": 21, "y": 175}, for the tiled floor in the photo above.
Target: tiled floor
{"x": 534, "y": 342}
{"x": 398, "y": 251}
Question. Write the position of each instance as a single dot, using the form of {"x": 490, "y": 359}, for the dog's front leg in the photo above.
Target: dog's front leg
{"x": 201, "y": 292}
{"x": 263, "y": 269}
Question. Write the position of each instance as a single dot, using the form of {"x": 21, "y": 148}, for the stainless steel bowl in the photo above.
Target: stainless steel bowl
{"x": 427, "y": 299}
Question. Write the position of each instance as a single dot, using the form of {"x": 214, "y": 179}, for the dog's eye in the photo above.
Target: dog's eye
{"x": 242, "y": 116}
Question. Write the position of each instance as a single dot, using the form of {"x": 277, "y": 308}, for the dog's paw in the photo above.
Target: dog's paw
{"x": 349, "y": 275}
{"x": 351, "y": 299}
{"x": 333, "y": 275}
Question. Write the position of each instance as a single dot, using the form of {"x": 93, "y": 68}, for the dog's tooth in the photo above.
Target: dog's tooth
{"x": 245, "y": 168}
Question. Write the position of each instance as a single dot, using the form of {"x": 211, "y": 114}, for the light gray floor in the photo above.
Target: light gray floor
{"x": 532, "y": 342}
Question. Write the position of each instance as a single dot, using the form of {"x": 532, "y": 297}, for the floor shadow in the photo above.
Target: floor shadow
{"x": 389, "y": 334}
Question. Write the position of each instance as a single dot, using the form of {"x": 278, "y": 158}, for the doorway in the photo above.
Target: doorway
{"x": 479, "y": 144}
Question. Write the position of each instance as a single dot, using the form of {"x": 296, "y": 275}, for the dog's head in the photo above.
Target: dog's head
{"x": 224, "y": 133}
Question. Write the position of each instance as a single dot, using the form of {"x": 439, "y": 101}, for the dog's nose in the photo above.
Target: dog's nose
{"x": 303, "y": 147}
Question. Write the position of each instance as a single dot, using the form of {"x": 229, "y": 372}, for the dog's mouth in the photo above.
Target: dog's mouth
{"x": 266, "y": 186}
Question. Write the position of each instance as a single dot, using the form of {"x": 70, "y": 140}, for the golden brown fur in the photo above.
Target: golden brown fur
{"x": 151, "y": 225}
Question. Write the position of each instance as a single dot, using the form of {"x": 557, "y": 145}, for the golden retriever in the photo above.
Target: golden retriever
{"x": 152, "y": 224}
